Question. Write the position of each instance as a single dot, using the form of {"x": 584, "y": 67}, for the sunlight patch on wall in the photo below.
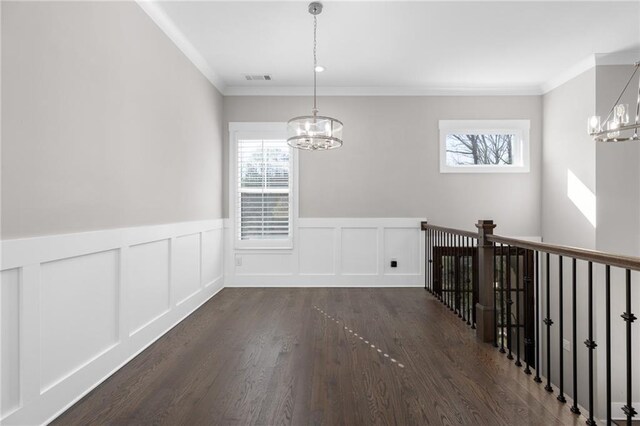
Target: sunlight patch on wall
{"x": 583, "y": 198}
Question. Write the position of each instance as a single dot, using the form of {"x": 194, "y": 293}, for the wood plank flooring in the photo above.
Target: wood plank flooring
{"x": 267, "y": 356}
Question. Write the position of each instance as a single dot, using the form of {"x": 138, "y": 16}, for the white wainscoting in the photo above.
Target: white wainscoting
{"x": 76, "y": 307}
{"x": 334, "y": 252}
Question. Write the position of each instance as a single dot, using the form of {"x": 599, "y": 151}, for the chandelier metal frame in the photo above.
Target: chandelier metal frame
{"x": 617, "y": 121}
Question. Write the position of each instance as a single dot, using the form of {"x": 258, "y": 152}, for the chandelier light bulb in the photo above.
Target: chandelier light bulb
{"x": 319, "y": 68}
{"x": 622, "y": 113}
{"x": 613, "y": 125}
{"x": 594, "y": 125}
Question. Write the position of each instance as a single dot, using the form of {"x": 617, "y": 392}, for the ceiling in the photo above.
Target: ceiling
{"x": 387, "y": 47}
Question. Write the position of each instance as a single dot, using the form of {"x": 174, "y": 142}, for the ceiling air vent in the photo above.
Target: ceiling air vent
{"x": 258, "y": 77}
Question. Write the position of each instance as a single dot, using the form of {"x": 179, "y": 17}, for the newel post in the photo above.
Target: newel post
{"x": 484, "y": 308}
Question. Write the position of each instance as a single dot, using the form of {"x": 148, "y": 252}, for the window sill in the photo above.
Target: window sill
{"x": 263, "y": 249}
{"x": 486, "y": 169}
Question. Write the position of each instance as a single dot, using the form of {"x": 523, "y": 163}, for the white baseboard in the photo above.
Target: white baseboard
{"x": 618, "y": 414}
{"x": 77, "y": 307}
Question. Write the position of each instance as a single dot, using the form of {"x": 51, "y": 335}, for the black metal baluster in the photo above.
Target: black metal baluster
{"x": 518, "y": 363}
{"x": 608, "y": 338}
{"x": 465, "y": 264}
{"x": 451, "y": 276}
{"x": 528, "y": 341}
{"x": 429, "y": 249}
{"x": 502, "y": 300}
{"x": 443, "y": 275}
{"x": 458, "y": 275}
{"x": 441, "y": 266}
{"x": 431, "y": 260}
{"x": 548, "y": 322}
{"x": 448, "y": 293}
{"x": 447, "y": 281}
{"x": 437, "y": 265}
{"x": 574, "y": 333}
{"x": 561, "y": 397}
{"x": 590, "y": 344}
{"x": 509, "y": 302}
{"x": 455, "y": 280}
{"x": 443, "y": 278}
{"x": 629, "y": 318}
{"x": 495, "y": 306}
{"x": 537, "y": 345}
{"x": 474, "y": 280}
{"x": 468, "y": 284}
{"x": 426, "y": 257}
{"x": 431, "y": 243}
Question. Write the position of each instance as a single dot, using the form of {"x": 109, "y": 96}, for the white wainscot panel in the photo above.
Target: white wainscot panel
{"x": 186, "y": 276}
{"x": 359, "y": 251}
{"x": 10, "y": 329}
{"x": 403, "y": 245}
{"x": 316, "y": 251}
{"x": 272, "y": 263}
{"x": 79, "y": 313}
{"x": 212, "y": 248}
{"x": 148, "y": 288}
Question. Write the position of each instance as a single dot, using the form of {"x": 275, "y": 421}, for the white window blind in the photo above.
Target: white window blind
{"x": 263, "y": 203}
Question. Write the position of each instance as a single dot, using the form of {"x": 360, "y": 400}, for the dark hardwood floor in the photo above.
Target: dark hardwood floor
{"x": 269, "y": 357}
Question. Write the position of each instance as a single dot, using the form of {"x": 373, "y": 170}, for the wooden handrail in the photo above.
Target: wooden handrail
{"x": 425, "y": 225}
{"x": 595, "y": 256}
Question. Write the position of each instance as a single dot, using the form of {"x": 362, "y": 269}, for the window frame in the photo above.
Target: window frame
{"x": 239, "y": 131}
{"x": 521, "y": 128}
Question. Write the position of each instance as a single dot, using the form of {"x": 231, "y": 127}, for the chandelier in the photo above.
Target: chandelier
{"x": 617, "y": 127}
{"x": 314, "y": 132}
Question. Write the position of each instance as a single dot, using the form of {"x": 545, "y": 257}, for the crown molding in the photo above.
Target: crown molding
{"x": 627, "y": 57}
{"x": 160, "y": 18}
{"x": 569, "y": 74}
{"x": 380, "y": 91}
{"x": 157, "y": 15}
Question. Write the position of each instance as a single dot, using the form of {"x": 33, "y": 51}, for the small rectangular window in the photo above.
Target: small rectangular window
{"x": 262, "y": 181}
{"x": 484, "y": 146}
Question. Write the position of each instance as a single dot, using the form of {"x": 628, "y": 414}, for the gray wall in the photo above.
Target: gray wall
{"x": 105, "y": 122}
{"x": 389, "y": 166}
{"x": 618, "y": 170}
{"x": 568, "y": 147}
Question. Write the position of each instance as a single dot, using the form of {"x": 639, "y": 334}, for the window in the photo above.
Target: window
{"x": 262, "y": 177}
{"x": 484, "y": 146}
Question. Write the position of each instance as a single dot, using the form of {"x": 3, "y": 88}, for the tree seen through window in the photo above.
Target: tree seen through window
{"x": 480, "y": 149}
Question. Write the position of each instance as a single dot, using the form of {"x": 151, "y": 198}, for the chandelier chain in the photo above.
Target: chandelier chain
{"x": 315, "y": 62}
